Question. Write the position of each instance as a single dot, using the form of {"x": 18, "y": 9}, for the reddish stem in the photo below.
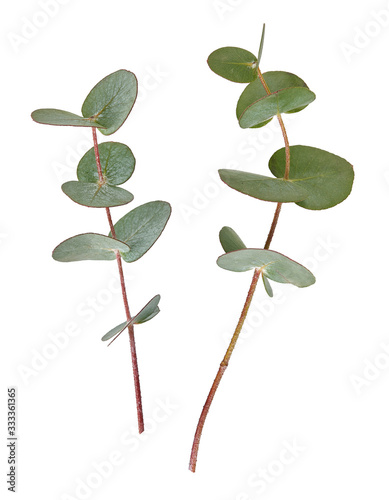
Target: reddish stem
{"x": 134, "y": 359}
{"x": 257, "y": 273}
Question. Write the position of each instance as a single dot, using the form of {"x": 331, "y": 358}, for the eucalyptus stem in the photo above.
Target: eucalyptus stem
{"x": 134, "y": 359}
{"x": 246, "y": 307}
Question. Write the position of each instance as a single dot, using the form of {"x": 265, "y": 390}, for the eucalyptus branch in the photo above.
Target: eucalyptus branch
{"x": 298, "y": 179}
{"x": 99, "y": 173}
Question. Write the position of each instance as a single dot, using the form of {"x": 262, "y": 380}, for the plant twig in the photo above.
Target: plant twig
{"x": 257, "y": 274}
{"x": 134, "y": 359}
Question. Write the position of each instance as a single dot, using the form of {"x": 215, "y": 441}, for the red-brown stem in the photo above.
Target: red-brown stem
{"x": 257, "y": 273}
{"x": 222, "y": 369}
{"x": 134, "y": 359}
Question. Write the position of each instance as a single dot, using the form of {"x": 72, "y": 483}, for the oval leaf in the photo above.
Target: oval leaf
{"x": 148, "y": 312}
{"x": 262, "y": 187}
{"x": 326, "y": 178}
{"x": 141, "y": 227}
{"x": 276, "y": 81}
{"x": 111, "y": 100}
{"x": 89, "y": 246}
{"x": 234, "y": 64}
{"x": 116, "y": 331}
{"x": 58, "y": 117}
{"x": 229, "y": 240}
{"x": 281, "y": 101}
{"x": 91, "y": 194}
{"x": 117, "y": 164}
{"x": 274, "y": 265}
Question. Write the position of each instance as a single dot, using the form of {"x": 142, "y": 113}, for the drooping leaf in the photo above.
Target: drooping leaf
{"x": 89, "y": 246}
{"x": 117, "y": 164}
{"x": 275, "y": 266}
{"x": 281, "y": 101}
{"x": 115, "y": 331}
{"x": 49, "y": 116}
{"x": 255, "y": 91}
{"x": 261, "y": 44}
{"x": 267, "y": 286}
{"x": 234, "y": 64}
{"x": 262, "y": 187}
{"x": 148, "y": 312}
{"x": 325, "y": 177}
{"x": 141, "y": 227}
{"x": 111, "y": 100}
{"x": 92, "y": 194}
{"x": 229, "y": 240}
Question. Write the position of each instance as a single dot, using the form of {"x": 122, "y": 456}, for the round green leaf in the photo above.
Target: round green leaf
{"x": 115, "y": 331}
{"x": 117, "y": 164}
{"x": 111, "y": 100}
{"x": 275, "y": 266}
{"x": 59, "y": 117}
{"x": 276, "y": 81}
{"x": 262, "y": 187}
{"x": 325, "y": 177}
{"x": 229, "y": 240}
{"x": 89, "y": 246}
{"x": 92, "y": 194}
{"x": 234, "y": 64}
{"x": 281, "y": 101}
{"x": 148, "y": 312}
{"x": 141, "y": 227}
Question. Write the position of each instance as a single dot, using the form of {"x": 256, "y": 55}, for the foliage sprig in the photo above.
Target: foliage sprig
{"x": 100, "y": 171}
{"x": 310, "y": 177}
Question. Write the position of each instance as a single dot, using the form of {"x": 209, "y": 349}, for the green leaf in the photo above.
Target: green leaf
{"x": 229, "y": 240}
{"x": 261, "y": 109}
{"x": 261, "y": 44}
{"x": 148, "y": 312}
{"x": 325, "y": 177}
{"x": 59, "y": 117}
{"x": 262, "y": 187}
{"x": 255, "y": 91}
{"x": 141, "y": 227}
{"x": 275, "y": 266}
{"x": 234, "y": 64}
{"x": 267, "y": 286}
{"x": 89, "y": 246}
{"x": 111, "y": 100}
{"x": 92, "y": 194}
{"x": 117, "y": 164}
{"x": 115, "y": 331}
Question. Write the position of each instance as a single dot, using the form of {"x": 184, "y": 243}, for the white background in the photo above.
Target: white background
{"x": 293, "y": 380}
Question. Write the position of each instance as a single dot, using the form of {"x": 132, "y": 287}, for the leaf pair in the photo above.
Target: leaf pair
{"x": 274, "y": 265}
{"x": 117, "y": 164}
{"x": 106, "y": 107}
{"x": 317, "y": 179}
{"x": 136, "y": 233}
{"x": 148, "y": 312}
{"x": 285, "y": 92}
